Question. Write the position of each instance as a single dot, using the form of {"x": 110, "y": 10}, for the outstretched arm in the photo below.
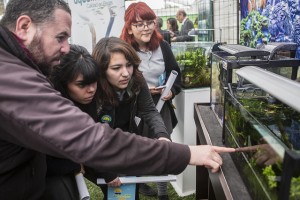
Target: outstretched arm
{"x": 208, "y": 156}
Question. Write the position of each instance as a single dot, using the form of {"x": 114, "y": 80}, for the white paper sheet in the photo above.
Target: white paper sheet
{"x": 166, "y": 91}
{"x": 142, "y": 179}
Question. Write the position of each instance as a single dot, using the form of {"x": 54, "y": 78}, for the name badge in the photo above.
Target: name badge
{"x": 162, "y": 79}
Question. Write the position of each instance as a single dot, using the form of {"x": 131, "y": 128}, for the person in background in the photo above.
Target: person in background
{"x": 123, "y": 92}
{"x": 172, "y": 27}
{"x": 166, "y": 34}
{"x": 157, "y": 63}
{"x": 186, "y": 26}
{"x": 76, "y": 79}
{"x": 37, "y": 120}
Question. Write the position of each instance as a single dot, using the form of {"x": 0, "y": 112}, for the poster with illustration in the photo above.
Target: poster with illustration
{"x": 270, "y": 21}
{"x": 123, "y": 192}
{"x": 95, "y": 19}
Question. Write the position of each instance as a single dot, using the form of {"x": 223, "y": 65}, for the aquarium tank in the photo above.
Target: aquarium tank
{"x": 262, "y": 120}
{"x": 226, "y": 59}
{"x": 192, "y": 58}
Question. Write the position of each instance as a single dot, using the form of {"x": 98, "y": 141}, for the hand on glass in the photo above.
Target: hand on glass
{"x": 264, "y": 154}
{"x": 115, "y": 183}
{"x": 208, "y": 156}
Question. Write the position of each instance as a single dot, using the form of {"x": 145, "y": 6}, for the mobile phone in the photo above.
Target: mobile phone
{"x": 160, "y": 87}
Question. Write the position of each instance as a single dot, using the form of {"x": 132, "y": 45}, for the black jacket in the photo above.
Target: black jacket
{"x": 166, "y": 35}
{"x": 171, "y": 64}
{"x": 124, "y": 117}
{"x": 139, "y": 104}
{"x": 183, "y": 33}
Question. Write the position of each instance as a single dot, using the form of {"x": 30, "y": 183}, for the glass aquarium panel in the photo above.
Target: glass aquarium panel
{"x": 284, "y": 71}
{"x": 262, "y": 128}
{"x": 217, "y": 91}
{"x": 205, "y": 20}
{"x": 192, "y": 58}
{"x": 224, "y": 66}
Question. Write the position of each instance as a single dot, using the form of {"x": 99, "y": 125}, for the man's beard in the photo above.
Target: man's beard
{"x": 37, "y": 51}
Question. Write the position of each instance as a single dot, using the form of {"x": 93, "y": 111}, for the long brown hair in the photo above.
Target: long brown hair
{"x": 173, "y": 22}
{"x": 143, "y": 11}
{"x": 102, "y": 55}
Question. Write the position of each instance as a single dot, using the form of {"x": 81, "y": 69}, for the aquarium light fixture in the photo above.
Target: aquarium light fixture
{"x": 285, "y": 90}
{"x": 243, "y": 51}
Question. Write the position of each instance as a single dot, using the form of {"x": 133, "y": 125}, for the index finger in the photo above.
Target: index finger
{"x": 223, "y": 149}
{"x": 249, "y": 148}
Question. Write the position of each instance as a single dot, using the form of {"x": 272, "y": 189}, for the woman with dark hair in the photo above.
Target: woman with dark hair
{"x": 172, "y": 26}
{"x": 157, "y": 62}
{"x": 123, "y": 92}
{"x": 76, "y": 79}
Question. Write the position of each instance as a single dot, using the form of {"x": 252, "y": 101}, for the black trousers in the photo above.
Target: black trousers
{"x": 61, "y": 187}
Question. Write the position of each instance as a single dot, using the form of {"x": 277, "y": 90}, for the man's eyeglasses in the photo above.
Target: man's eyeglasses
{"x": 140, "y": 26}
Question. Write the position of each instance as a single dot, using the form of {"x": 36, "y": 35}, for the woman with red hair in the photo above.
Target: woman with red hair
{"x": 157, "y": 62}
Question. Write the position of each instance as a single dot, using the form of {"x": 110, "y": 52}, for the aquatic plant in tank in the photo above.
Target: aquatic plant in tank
{"x": 268, "y": 127}
{"x": 195, "y": 71}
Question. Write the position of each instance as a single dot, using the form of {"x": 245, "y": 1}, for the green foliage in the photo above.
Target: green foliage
{"x": 254, "y": 30}
{"x": 195, "y": 72}
{"x": 239, "y": 117}
{"x": 235, "y": 123}
{"x": 295, "y": 188}
{"x": 270, "y": 176}
{"x": 271, "y": 114}
{"x": 94, "y": 190}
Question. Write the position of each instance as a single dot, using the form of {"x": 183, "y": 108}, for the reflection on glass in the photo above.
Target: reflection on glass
{"x": 262, "y": 128}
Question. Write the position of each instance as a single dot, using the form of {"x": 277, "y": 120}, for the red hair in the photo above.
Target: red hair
{"x": 143, "y": 11}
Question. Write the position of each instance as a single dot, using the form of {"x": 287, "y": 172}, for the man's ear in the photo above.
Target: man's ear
{"x": 25, "y": 29}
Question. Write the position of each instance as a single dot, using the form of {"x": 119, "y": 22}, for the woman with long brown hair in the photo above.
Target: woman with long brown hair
{"x": 172, "y": 27}
{"x": 124, "y": 96}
